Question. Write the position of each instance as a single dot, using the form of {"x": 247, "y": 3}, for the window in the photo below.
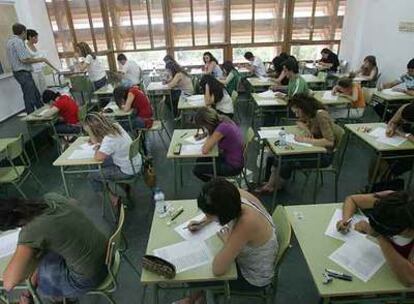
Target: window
{"x": 147, "y": 60}
{"x": 196, "y": 57}
{"x": 310, "y": 52}
{"x": 269, "y": 20}
{"x": 241, "y": 21}
{"x": 264, "y": 53}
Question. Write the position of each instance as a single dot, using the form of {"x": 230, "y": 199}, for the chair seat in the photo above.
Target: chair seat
{"x": 9, "y": 175}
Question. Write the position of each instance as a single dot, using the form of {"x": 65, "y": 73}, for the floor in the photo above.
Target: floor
{"x": 295, "y": 283}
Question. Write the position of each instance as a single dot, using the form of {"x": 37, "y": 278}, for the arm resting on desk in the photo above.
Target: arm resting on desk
{"x": 51, "y": 111}
{"x": 19, "y": 268}
{"x": 128, "y": 104}
{"x": 402, "y": 268}
{"x": 99, "y": 156}
{"x": 211, "y": 142}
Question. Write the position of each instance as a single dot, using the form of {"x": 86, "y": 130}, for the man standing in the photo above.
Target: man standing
{"x": 129, "y": 70}
{"x": 20, "y": 61}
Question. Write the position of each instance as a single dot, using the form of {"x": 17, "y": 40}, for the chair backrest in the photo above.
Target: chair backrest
{"x": 234, "y": 96}
{"x": 248, "y": 138}
{"x": 115, "y": 241}
{"x": 81, "y": 84}
{"x": 83, "y": 111}
{"x": 134, "y": 149}
{"x": 283, "y": 231}
{"x": 339, "y": 149}
{"x": 15, "y": 149}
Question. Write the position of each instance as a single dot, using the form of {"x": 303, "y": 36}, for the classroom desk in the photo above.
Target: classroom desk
{"x": 309, "y": 223}
{"x": 264, "y": 105}
{"x": 294, "y": 154}
{"x": 162, "y": 235}
{"x": 312, "y": 79}
{"x": 104, "y": 94}
{"x": 118, "y": 114}
{"x": 391, "y": 100}
{"x": 4, "y": 142}
{"x": 340, "y": 101}
{"x": 178, "y": 137}
{"x": 382, "y": 151}
{"x": 84, "y": 165}
{"x": 158, "y": 89}
{"x": 35, "y": 119}
{"x": 257, "y": 83}
{"x": 186, "y": 107}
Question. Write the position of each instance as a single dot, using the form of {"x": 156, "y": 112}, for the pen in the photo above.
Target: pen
{"x": 194, "y": 224}
{"x": 184, "y": 135}
{"x": 338, "y": 275}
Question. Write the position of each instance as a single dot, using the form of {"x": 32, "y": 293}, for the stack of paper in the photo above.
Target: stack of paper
{"x": 185, "y": 255}
{"x": 8, "y": 243}
{"x": 85, "y": 151}
{"x": 380, "y": 136}
{"x": 333, "y": 232}
{"x": 329, "y": 96}
{"x": 267, "y": 94}
{"x": 191, "y": 149}
{"x": 392, "y": 93}
{"x": 203, "y": 234}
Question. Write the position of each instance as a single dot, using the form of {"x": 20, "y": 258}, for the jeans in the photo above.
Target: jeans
{"x": 31, "y": 95}
{"x": 63, "y": 128}
{"x": 205, "y": 171}
{"x": 110, "y": 172}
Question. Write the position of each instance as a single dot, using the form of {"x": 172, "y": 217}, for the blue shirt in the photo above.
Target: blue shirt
{"x": 16, "y": 52}
{"x": 408, "y": 80}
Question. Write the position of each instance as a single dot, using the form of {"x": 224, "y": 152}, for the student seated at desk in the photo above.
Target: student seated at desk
{"x": 112, "y": 147}
{"x": 407, "y": 80}
{"x": 91, "y": 63}
{"x": 232, "y": 79}
{"x": 224, "y": 133}
{"x": 279, "y": 73}
{"x": 369, "y": 69}
{"x": 257, "y": 66}
{"x": 296, "y": 85}
{"x": 181, "y": 84}
{"x": 128, "y": 98}
{"x": 211, "y": 65}
{"x": 329, "y": 60}
{"x": 129, "y": 70}
{"x": 68, "y": 112}
{"x": 249, "y": 236}
{"x": 391, "y": 222}
{"x": 59, "y": 249}
{"x": 345, "y": 87}
{"x": 216, "y": 96}
{"x": 319, "y": 130}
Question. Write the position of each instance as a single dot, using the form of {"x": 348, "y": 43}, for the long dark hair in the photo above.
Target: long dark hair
{"x": 175, "y": 68}
{"x": 17, "y": 212}
{"x": 85, "y": 49}
{"x": 49, "y": 95}
{"x": 212, "y": 58}
{"x": 372, "y": 60}
{"x": 209, "y": 119}
{"x": 216, "y": 87}
{"x": 308, "y": 104}
{"x": 121, "y": 94}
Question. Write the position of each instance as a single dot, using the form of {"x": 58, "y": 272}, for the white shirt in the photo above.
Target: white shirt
{"x": 225, "y": 105}
{"x": 37, "y": 67}
{"x": 259, "y": 68}
{"x": 131, "y": 71}
{"x": 96, "y": 70}
{"x": 118, "y": 148}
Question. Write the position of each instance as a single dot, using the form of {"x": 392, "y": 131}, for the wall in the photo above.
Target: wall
{"x": 33, "y": 14}
{"x": 371, "y": 28}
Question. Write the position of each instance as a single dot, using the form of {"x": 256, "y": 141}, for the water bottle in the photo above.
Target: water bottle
{"x": 159, "y": 200}
{"x": 282, "y": 137}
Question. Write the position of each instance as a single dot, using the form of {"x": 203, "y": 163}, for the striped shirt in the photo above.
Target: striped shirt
{"x": 16, "y": 52}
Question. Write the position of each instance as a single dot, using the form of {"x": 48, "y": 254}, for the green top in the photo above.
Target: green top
{"x": 233, "y": 84}
{"x": 64, "y": 229}
{"x": 297, "y": 85}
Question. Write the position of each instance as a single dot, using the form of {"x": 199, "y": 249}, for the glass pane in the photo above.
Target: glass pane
{"x": 195, "y": 57}
{"x": 141, "y": 24}
{"x": 341, "y": 8}
{"x": 265, "y": 53}
{"x": 181, "y": 22}
{"x": 121, "y": 25}
{"x": 310, "y": 52}
{"x": 241, "y": 21}
{"x": 200, "y": 22}
{"x": 269, "y": 20}
{"x": 157, "y": 21}
{"x": 104, "y": 61}
{"x": 322, "y": 29}
{"x": 302, "y": 20}
{"x": 80, "y": 21}
{"x": 98, "y": 25}
{"x": 217, "y": 20}
{"x": 57, "y": 13}
{"x": 148, "y": 59}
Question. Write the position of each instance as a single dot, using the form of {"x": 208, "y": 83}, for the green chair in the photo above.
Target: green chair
{"x": 17, "y": 173}
{"x": 159, "y": 124}
{"x": 82, "y": 85}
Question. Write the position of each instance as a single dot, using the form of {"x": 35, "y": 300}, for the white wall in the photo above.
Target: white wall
{"x": 371, "y": 28}
{"x": 33, "y": 14}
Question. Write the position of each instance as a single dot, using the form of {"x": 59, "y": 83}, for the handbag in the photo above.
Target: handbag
{"x": 150, "y": 177}
{"x": 159, "y": 266}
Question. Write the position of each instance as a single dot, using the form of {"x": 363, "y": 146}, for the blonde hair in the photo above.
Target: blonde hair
{"x": 100, "y": 126}
{"x": 209, "y": 119}
{"x": 85, "y": 49}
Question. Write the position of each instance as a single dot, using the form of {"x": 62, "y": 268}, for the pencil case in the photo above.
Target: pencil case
{"x": 159, "y": 266}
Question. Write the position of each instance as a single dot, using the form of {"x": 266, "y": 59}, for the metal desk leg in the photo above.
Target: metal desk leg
{"x": 175, "y": 176}
{"x": 375, "y": 172}
{"x": 180, "y": 164}
{"x": 214, "y": 167}
{"x": 386, "y": 104}
{"x": 259, "y": 178}
{"x": 155, "y": 294}
{"x": 62, "y": 172}
{"x": 315, "y": 189}
{"x": 227, "y": 298}
{"x": 32, "y": 141}
{"x": 279, "y": 164}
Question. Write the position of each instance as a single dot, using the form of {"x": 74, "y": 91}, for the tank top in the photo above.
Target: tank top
{"x": 402, "y": 245}
{"x": 257, "y": 263}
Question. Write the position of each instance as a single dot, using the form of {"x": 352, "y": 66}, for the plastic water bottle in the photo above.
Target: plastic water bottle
{"x": 159, "y": 200}
{"x": 282, "y": 137}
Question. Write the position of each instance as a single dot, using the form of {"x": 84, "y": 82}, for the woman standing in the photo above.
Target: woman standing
{"x": 90, "y": 63}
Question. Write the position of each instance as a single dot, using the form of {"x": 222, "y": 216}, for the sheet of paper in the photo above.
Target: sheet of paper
{"x": 203, "y": 234}
{"x": 264, "y": 134}
{"x": 263, "y": 79}
{"x": 8, "y": 243}
{"x": 191, "y": 149}
{"x": 157, "y": 86}
{"x": 393, "y": 93}
{"x": 329, "y": 96}
{"x": 185, "y": 255}
{"x": 191, "y": 139}
{"x": 290, "y": 138}
{"x": 268, "y": 102}
{"x": 379, "y": 134}
{"x": 42, "y": 113}
{"x": 267, "y": 94}
{"x": 85, "y": 151}
{"x": 360, "y": 256}
{"x": 334, "y": 233}
{"x": 112, "y": 105}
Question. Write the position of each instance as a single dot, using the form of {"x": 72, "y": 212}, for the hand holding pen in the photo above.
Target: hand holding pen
{"x": 194, "y": 226}
{"x": 344, "y": 226}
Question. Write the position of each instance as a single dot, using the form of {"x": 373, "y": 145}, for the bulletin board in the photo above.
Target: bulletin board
{"x": 7, "y": 18}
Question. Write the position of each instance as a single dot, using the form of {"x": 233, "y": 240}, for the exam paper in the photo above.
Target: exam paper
{"x": 268, "y": 102}
{"x": 379, "y": 134}
{"x": 329, "y": 96}
{"x": 203, "y": 234}
{"x": 267, "y": 94}
{"x": 85, "y": 151}
{"x": 265, "y": 134}
{"x": 157, "y": 86}
{"x": 290, "y": 138}
{"x": 191, "y": 149}
{"x": 196, "y": 98}
{"x": 360, "y": 256}
{"x": 42, "y": 113}
{"x": 393, "y": 93}
{"x": 8, "y": 243}
{"x": 185, "y": 255}
{"x": 192, "y": 140}
{"x": 352, "y": 234}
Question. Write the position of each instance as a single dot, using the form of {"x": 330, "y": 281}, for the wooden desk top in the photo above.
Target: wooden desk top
{"x": 178, "y": 137}
{"x": 162, "y": 235}
{"x": 309, "y": 78}
{"x": 309, "y": 229}
{"x": 185, "y": 104}
{"x": 117, "y": 112}
{"x": 36, "y": 117}
{"x": 260, "y": 82}
{"x": 370, "y": 140}
{"x": 63, "y": 160}
{"x": 328, "y": 102}
{"x": 268, "y": 102}
{"x": 157, "y": 86}
{"x": 391, "y": 98}
{"x": 106, "y": 90}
